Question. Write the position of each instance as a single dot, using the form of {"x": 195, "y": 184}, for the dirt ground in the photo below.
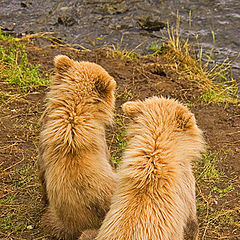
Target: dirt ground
{"x": 217, "y": 174}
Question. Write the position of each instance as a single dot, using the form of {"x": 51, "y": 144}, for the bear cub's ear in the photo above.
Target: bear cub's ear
{"x": 132, "y": 109}
{"x": 185, "y": 119}
{"x": 62, "y": 63}
{"x": 105, "y": 87}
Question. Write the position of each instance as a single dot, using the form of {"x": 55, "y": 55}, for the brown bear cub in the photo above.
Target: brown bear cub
{"x": 77, "y": 178}
{"x": 155, "y": 194}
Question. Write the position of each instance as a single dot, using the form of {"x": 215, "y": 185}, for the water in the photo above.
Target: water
{"x": 96, "y": 23}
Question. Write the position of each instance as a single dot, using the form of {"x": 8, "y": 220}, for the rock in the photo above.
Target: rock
{"x": 149, "y": 24}
{"x": 8, "y": 26}
{"x": 66, "y": 17}
{"x": 24, "y": 5}
{"x": 112, "y": 8}
{"x": 67, "y": 21}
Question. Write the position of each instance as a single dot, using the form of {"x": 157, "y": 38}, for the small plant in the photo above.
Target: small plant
{"x": 224, "y": 191}
{"x": 117, "y": 51}
{"x": 156, "y": 48}
{"x": 128, "y": 95}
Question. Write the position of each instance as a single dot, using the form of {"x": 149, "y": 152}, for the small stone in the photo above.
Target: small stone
{"x": 8, "y": 26}
{"x": 24, "y": 5}
{"x": 149, "y": 24}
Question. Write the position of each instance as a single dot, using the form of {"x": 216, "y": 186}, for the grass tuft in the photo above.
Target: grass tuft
{"x": 213, "y": 79}
{"x": 15, "y": 68}
{"x": 118, "y": 52}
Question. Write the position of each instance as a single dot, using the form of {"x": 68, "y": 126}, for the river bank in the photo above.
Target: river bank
{"x": 93, "y": 24}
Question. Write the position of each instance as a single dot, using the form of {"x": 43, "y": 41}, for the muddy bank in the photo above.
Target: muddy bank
{"x": 96, "y": 23}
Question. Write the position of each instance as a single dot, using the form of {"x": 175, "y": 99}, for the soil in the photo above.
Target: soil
{"x": 136, "y": 79}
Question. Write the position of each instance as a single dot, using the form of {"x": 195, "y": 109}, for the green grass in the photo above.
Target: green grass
{"x": 224, "y": 191}
{"x": 15, "y": 67}
{"x": 206, "y": 169}
{"x": 156, "y": 47}
{"x": 120, "y": 141}
{"x": 18, "y": 187}
{"x": 213, "y": 219}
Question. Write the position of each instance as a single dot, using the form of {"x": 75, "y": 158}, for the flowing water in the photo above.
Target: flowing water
{"x": 93, "y": 23}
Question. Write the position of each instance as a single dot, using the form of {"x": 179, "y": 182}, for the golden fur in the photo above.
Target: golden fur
{"x": 77, "y": 178}
{"x": 155, "y": 195}
{"x": 89, "y": 235}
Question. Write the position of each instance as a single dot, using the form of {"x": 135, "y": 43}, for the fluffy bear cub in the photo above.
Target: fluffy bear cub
{"x": 75, "y": 172}
{"x": 155, "y": 195}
